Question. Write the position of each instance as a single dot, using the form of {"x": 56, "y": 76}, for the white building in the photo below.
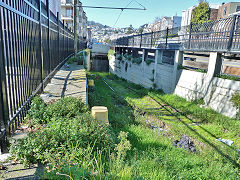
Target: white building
{"x": 167, "y": 22}
{"x": 67, "y": 9}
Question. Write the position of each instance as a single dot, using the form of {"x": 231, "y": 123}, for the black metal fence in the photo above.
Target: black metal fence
{"x": 33, "y": 44}
{"x": 222, "y": 35}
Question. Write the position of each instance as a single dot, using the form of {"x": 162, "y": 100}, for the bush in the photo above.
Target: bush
{"x": 137, "y": 60}
{"x": 40, "y": 113}
{"x": 36, "y": 114}
{"x": 149, "y": 61}
{"x": 71, "y": 60}
{"x": 68, "y": 107}
{"x": 61, "y": 137}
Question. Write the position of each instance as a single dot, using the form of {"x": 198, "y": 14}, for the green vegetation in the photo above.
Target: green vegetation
{"x": 230, "y": 77}
{"x": 88, "y": 51}
{"x": 149, "y": 61}
{"x": 119, "y": 57}
{"x": 137, "y": 60}
{"x": 71, "y": 60}
{"x": 152, "y": 155}
{"x": 201, "y": 13}
{"x": 180, "y": 66}
{"x": 111, "y": 53}
{"x": 236, "y": 102}
{"x": 80, "y": 57}
{"x": 135, "y": 145}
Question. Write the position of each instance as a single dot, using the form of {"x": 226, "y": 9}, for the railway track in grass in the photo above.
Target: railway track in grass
{"x": 161, "y": 116}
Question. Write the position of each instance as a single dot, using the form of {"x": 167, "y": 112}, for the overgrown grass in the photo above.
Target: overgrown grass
{"x": 152, "y": 155}
{"x": 75, "y": 146}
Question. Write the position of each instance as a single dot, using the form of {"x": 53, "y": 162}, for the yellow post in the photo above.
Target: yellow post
{"x": 90, "y": 82}
{"x": 100, "y": 113}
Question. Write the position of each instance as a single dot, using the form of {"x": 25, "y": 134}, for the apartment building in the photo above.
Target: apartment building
{"x": 227, "y": 9}
{"x": 167, "y": 22}
{"x": 54, "y": 5}
{"x": 67, "y": 12}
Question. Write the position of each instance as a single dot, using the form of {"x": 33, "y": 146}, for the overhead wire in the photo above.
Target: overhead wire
{"x": 121, "y": 13}
{"x": 144, "y": 8}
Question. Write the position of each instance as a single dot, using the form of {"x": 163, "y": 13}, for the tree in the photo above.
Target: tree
{"x": 130, "y": 30}
{"x": 140, "y": 30}
{"x": 201, "y": 13}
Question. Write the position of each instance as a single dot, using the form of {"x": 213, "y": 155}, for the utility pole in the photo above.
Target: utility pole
{"x": 75, "y": 27}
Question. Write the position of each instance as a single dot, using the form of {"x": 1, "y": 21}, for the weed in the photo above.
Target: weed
{"x": 111, "y": 53}
{"x": 236, "y": 102}
{"x": 230, "y": 77}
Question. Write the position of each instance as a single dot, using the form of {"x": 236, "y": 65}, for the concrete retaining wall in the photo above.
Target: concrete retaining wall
{"x": 216, "y": 92}
{"x": 146, "y": 75}
{"x": 191, "y": 85}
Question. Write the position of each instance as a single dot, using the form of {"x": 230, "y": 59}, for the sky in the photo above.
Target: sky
{"x": 155, "y": 8}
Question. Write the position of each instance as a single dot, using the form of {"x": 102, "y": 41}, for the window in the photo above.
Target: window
{"x": 225, "y": 11}
{"x": 238, "y": 8}
{"x": 69, "y": 12}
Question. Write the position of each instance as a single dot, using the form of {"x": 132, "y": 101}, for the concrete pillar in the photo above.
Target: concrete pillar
{"x": 178, "y": 61}
{"x": 143, "y": 57}
{"x": 155, "y": 65}
{"x": 214, "y": 65}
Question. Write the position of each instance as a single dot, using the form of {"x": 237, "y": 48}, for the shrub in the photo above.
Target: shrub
{"x": 61, "y": 137}
{"x": 40, "y": 113}
{"x": 68, "y": 107}
{"x": 36, "y": 114}
{"x": 149, "y": 61}
{"x": 137, "y": 60}
{"x": 71, "y": 60}
{"x": 125, "y": 56}
{"x": 129, "y": 57}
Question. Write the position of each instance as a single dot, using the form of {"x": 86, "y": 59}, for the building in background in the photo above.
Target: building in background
{"x": 167, "y": 22}
{"x": 187, "y": 14}
{"x": 67, "y": 12}
{"x": 54, "y": 5}
{"x": 228, "y": 9}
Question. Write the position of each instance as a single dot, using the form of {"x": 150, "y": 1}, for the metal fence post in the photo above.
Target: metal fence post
{"x": 4, "y": 111}
{"x": 232, "y": 33}
{"x": 141, "y": 41}
{"x": 48, "y": 40}
{"x": 40, "y": 44}
{"x": 58, "y": 51}
{"x": 190, "y": 34}
{"x": 151, "y": 39}
{"x": 166, "y": 38}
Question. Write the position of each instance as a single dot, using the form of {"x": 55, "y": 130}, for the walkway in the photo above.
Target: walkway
{"x": 70, "y": 80}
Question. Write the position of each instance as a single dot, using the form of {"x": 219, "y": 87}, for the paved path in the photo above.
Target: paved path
{"x": 68, "y": 81}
